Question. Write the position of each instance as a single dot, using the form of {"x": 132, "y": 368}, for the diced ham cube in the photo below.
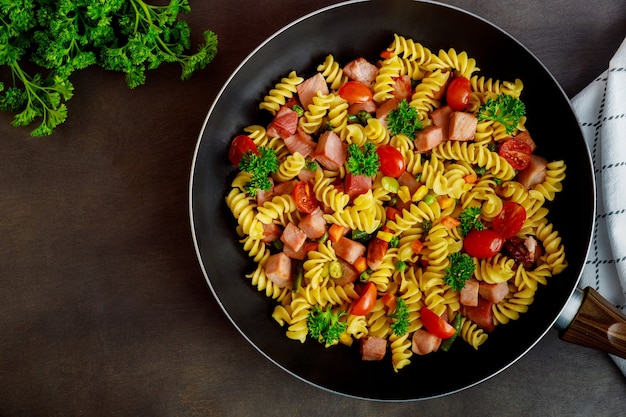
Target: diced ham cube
{"x": 361, "y": 70}
{"x": 262, "y": 196}
{"x": 355, "y": 185}
{"x": 271, "y": 232}
{"x": 525, "y": 137}
{"x": 349, "y": 274}
{"x": 278, "y": 269}
{"x": 427, "y": 138}
{"x": 306, "y": 175}
{"x": 293, "y": 237}
{"x": 330, "y": 151}
{"x": 402, "y": 88}
{"x": 284, "y": 123}
{"x": 383, "y": 110}
{"x": 282, "y": 188}
{"x": 493, "y": 292}
{"x": 300, "y": 254}
{"x": 424, "y": 342}
{"x": 313, "y": 224}
{"x": 376, "y": 250}
{"x": 462, "y": 126}
{"x": 482, "y": 314}
{"x": 469, "y": 293}
{"x": 373, "y": 348}
{"x": 368, "y": 106}
{"x": 349, "y": 249}
{"x": 534, "y": 173}
{"x": 441, "y": 118}
{"x": 309, "y": 89}
{"x": 300, "y": 142}
{"x": 409, "y": 180}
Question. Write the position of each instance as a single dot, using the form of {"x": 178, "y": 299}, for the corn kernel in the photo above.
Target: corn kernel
{"x": 420, "y": 193}
{"x": 386, "y": 236}
{"x": 404, "y": 193}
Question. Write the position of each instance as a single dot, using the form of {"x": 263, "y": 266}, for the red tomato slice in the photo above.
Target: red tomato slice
{"x": 355, "y": 92}
{"x": 516, "y": 152}
{"x": 435, "y": 324}
{"x": 304, "y": 197}
{"x": 240, "y": 146}
{"x": 391, "y": 161}
{"x": 366, "y": 301}
{"x": 510, "y": 219}
{"x": 483, "y": 243}
{"x": 458, "y": 93}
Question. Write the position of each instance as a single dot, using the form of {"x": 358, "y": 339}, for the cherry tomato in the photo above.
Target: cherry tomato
{"x": 435, "y": 324}
{"x": 458, "y": 93}
{"x": 240, "y": 146}
{"x": 355, "y": 92}
{"x": 366, "y": 301}
{"x": 304, "y": 197}
{"x": 510, "y": 219}
{"x": 391, "y": 161}
{"x": 516, "y": 152}
{"x": 483, "y": 243}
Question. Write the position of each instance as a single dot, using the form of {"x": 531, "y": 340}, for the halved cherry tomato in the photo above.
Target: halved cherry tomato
{"x": 483, "y": 243}
{"x": 516, "y": 152}
{"x": 240, "y": 146}
{"x": 435, "y": 324}
{"x": 510, "y": 219}
{"x": 355, "y": 92}
{"x": 391, "y": 161}
{"x": 458, "y": 93}
{"x": 304, "y": 197}
{"x": 366, "y": 301}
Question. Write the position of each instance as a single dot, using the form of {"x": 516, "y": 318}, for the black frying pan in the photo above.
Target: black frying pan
{"x": 350, "y": 30}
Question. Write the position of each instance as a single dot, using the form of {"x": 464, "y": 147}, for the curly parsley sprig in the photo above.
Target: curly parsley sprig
{"x": 260, "y": 165}
{"x": 461, "y": 269}
{"x": 504, "y": 109}
{"x": 404, "y": 119}
{"x": 363, "y": 161}
{"x": 324, "y": 325}
{"x": 470, "y": 219}
{"x": 65, "y": 36}
{"x": 400, "y": 315}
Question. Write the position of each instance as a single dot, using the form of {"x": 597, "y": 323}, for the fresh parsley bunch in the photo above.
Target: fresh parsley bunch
{"x": 404, "y": 119}
{"x": 64, "y": 36}
{"x": 504, "y": 109}
{"x": 363, "y": 161}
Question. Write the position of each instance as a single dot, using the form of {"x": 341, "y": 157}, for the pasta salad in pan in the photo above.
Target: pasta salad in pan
{"x": 397, "y": 204}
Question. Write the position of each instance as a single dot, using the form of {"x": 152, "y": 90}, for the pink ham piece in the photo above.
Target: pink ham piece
{"x": 409, "y": 180}
{"x": 493, "y": 292}
{"x": 482, "y": 314}
{"x": 368, "y": 106}
{"x": 373, "y": 348}
{"x": 402, "y": 87}
{"x": 293, "y": 237}
{"x": 355, "y": 185}
{"x": 330, "y": 151}
{"x": 284, "y": 123}
{"x": 441, "y": 118}
{"x": 309, "y": 89}
{"x": 300, "y": 142}
{"x": 427, "y": 138}
{"x": 271, "y": 232}
{"x": 349, "y": 274}
{"x": 361, "y": 70}
{"x": 383, "y": 110}
{"x": 469, "y": 293}
{"x": 278, "y": 270}
{"x": 534, "y": 173}
{"x": 462, "y": 126}
{"x": 313, "y": 225}
{"x": 348, "y": 249}
{"x": 525, "y": 137}
{"x": 300, "y": 254}
{"x": 424, "y": 342}
{"x": 376, "y": 251}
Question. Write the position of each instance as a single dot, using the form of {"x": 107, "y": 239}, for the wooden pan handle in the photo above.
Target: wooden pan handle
{"x": 598, "y": 324}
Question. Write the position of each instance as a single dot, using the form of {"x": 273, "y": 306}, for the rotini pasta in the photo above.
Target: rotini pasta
{"x": 379, "y": 253}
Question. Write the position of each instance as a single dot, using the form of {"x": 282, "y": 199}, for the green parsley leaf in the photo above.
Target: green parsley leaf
{"x": 363, "y": 161}
{"x": 324, "y": 325}
{"x": 260, "y": 166}
{"x": 461, "y": 269}
{"x": 400, "y": 315}
{"x": 469, "y": 219}
{"x": 504, "y": 109}
{"x": 404, "y": 119}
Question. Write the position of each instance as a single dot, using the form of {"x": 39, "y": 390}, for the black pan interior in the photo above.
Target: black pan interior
{"x": 349, "y": 30}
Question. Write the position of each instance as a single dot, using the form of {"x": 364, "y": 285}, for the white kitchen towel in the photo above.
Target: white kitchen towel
{"x": 601, "y": 112}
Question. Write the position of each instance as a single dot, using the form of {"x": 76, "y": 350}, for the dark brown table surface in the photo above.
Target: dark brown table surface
{"x": 103, "y": 306}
